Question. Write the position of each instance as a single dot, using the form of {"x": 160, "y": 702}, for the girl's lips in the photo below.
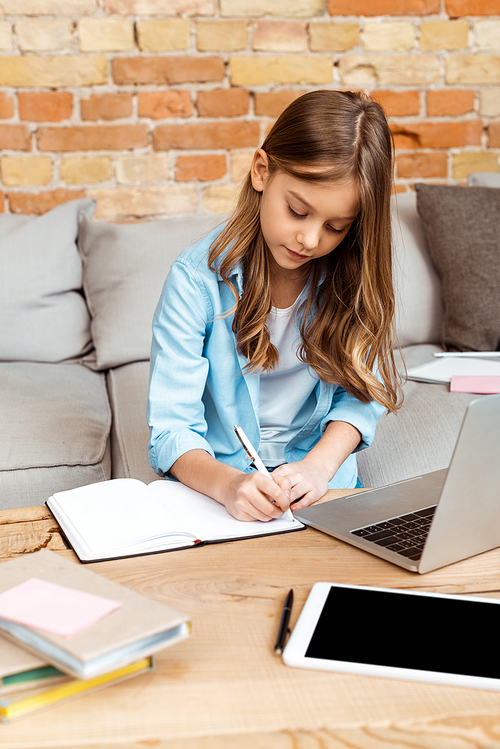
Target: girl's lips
{"x": 296, "y": 255}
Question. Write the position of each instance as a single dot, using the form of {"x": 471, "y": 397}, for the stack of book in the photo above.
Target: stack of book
{"x": 63, "y": 656}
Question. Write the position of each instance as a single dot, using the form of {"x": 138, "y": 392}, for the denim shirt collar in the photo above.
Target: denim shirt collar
{"x": 236, "y": 277}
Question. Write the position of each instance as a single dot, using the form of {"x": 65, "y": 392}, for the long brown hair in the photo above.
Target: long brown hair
{"x": 347, "y": 323}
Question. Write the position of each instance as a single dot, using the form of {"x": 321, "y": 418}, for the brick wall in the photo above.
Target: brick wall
{"x": 154, "y": 107}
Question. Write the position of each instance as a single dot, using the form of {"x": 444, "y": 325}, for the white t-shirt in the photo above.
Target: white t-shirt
{"x": 286, "y": 394}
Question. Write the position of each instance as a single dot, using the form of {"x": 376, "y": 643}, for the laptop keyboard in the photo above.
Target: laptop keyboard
{"x": 405, "y": 535}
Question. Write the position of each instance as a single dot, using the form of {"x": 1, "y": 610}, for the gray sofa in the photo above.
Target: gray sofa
{"x": 76, "y": 303}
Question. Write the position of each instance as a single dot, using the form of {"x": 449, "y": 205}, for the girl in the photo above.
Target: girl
{"x": 281, "y": 321}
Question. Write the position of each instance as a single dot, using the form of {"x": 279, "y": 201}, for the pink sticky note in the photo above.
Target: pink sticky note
{"x": 481, "y": 384}
{"x": 53, "y": 608}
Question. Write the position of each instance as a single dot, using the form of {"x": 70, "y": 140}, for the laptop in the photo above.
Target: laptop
{"x": 428, "y": 521}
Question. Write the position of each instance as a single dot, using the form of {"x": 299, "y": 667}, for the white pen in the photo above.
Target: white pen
{"x": 253, "y": 456}
{"x": 468, "y": 354}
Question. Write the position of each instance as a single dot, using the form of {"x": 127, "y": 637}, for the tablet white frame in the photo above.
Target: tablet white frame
{"x": 294, "y": 653}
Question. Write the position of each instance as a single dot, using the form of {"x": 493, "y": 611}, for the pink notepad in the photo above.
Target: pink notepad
{"x": 53, "y": 608}
{"x": 480, "y": 384}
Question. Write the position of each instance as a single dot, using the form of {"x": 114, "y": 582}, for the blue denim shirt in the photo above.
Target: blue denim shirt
{"x": 199, "y": 389}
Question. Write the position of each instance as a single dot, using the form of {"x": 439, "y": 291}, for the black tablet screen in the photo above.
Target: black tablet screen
{"x": 408, "y": 631}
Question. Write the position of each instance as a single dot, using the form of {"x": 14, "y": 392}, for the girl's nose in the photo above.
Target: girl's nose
{"x": 309, "y": 237}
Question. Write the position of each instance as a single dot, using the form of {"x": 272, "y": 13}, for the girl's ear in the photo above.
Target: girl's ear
{"x": 259, "y": 170}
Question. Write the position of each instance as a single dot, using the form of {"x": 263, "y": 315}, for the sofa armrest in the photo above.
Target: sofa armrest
{"x": 128, "y": 395}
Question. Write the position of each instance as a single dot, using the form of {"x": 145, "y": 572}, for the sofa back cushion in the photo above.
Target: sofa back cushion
{"x": 419, "y": 308}
{"x": 462, "y": 227}
{"x": 125, "y": 266}
{"x": 484, "y": 179}
{"x": 43, "y": 313}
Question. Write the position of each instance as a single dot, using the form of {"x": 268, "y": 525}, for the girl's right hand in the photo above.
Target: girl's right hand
{"x": 252, "y": 496}
{"x": 246, "y": 496}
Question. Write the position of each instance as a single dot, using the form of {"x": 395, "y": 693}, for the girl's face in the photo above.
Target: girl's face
{"x": 302, "y": 220}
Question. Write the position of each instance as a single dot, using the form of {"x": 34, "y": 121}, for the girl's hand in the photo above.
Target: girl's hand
{"x": 252, "y": 496}
{"x": 308, "y": 480}
{"x": 310, "y": 476}
{"x": 246, "y": 496}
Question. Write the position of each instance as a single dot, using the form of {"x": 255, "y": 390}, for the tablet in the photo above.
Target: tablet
{"x": 399, "y": 634}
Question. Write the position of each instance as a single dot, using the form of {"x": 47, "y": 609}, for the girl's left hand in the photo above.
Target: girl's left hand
{"x": 309, "y": 482}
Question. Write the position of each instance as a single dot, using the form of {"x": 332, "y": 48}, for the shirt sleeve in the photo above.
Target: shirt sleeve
{"x": 363, "y": 416}
{"x": 178, "y": 373}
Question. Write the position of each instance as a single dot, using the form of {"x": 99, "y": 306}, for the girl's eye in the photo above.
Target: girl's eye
{"x": 295, "y": 214}
{"x": 304, "y": 215}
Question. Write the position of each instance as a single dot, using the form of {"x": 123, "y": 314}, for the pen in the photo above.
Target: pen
{"x": 253, "y": 456}
{"x": 468, "y": 354}
{"x": 285, "y": 618}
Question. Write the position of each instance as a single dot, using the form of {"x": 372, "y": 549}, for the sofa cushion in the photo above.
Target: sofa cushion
{"x": 44, "y": 315}
{"x": 419, "y": 308}
{"x": 10, "y": 222}
{"x": 56, "y": 421}
{"x": 125, "y": 266}
{"x": 421, "y": 436}
{"x": 462, "y": 227}
{"x": 483, "y": 179}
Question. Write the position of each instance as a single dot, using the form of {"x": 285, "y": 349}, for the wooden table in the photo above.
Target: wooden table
{"x": 224, "y": 688}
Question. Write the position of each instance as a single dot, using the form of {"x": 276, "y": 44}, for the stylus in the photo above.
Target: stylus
{"x": 253, "y": 456}
{"x": 285, "y": 619}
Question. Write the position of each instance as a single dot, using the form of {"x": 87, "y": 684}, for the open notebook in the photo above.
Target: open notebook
{"x": 125, "y": 517}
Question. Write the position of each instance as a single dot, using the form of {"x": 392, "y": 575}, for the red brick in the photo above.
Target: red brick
{"x": 384, "y": 7}
{"x": 92, "y": 138}
{"x": 38, "y": 203}
{"x": 437, "y": 134}
{"x": 449, "y": 102}
{"x": 15, "y": 137}
{"x": 232, "y": 102}
{"x": 272, "y": 104}
{"x": 158, "y": 105}
{"x": 167, "y": 70}
{"x": 6, "y": 106}
{"x": 456, "y": 8}
{"x": 203, "y": 168}
{"x": 494, "y": 134}
{"x": 398, "y": 103}
{"x": 45, "y": 106}
{"x": 106, "y": 106}
{"x": 207, "y": 135}
{"x": 410, "y": 165}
